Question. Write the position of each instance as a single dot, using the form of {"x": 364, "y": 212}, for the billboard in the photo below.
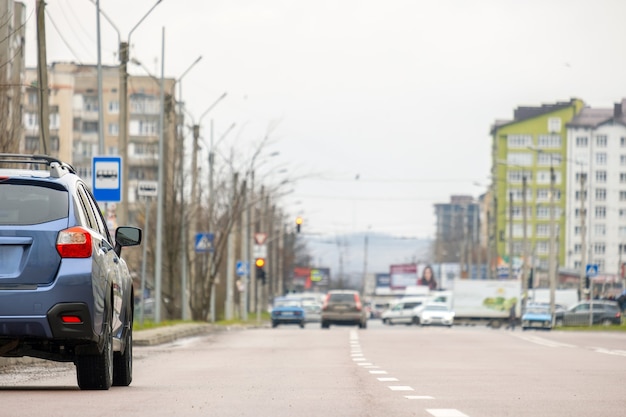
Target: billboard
{"x": 383, "y": 280}
{"x": 402, "y": 276}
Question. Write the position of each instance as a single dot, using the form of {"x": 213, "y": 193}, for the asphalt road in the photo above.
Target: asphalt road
{"x": 343, "y": 371}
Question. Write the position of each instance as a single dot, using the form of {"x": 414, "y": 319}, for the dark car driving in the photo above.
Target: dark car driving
{"x": 343, "y": 307}
{"x": 603, "y": 312}
{"x": 65, "y": 292}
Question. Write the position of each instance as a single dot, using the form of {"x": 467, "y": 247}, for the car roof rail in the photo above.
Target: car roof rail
{"x": 58, "y": 168}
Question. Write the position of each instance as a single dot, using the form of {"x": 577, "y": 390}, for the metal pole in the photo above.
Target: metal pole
{"x": 146, "y": 228}
{"x": 583, "y": 237}
{"x": 42, "y": 80}
{"x": 525, "y": 248}
{"x": 230, "y": 265}
{"x": 251, "y": 226}
{"x": 100, "y": 98}
{"x": 552, "y": 251}
{"x": 510, "y": 235}
{"x": 245, "y": 249}
{"x": 161, "y": 188}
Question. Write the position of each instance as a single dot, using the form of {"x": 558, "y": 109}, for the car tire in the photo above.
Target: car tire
{"x": 362, "y": 325}
{"x": 607, "y": 322}
{"x": 123, "y": 362}
{"x": 325, "y": 325}
{"x": 274, "y": 324}
{"x": 95, "y": 372}
{"x": 302, "y": 325}
{"x": 384, "y": 321}
{"x": 416, "y": 320}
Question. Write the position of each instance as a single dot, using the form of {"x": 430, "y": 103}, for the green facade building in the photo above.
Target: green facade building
{"x": 529, "y": 158}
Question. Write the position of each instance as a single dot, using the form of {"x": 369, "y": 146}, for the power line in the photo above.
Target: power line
{"x": 62, "y": 37}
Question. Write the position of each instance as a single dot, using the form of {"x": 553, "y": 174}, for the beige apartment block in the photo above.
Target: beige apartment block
{"x": 74, "y": 121}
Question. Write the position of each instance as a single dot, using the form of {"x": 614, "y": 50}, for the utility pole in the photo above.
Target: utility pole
{"x": 245, "y": 251}
{"x": 552, "y": 249}
{"x": 525, "y": 243}
{"x": 510, "y": 235}
{"x": 252, "y": 288}
{"x": 365, "y": 247}
{"x": 583, "y": 237}
{"x": 42, "y": 79}
{"x": 259, "y": 283}
{"x": 230, "y": 256}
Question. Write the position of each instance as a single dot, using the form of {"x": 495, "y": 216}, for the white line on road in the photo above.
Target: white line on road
{"x": 544, "y": 342}
{"x": 418, "y": 397}
{"x": 356, "y": 354}
{"x": 443, "y": 412}
{"x": 387, "y": 379}
{"x": 359, "y": 359}
{"x": 365, "y": 364}
{"x": 371, "y": 367}
{"x": 400, "y": 388}
{"x": 609, "y": 351}
{"x": 378, "y": 372}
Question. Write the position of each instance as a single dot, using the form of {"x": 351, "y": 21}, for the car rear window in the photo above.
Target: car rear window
{"x": 341, "y": 298}
{"x": 24, "y": 204}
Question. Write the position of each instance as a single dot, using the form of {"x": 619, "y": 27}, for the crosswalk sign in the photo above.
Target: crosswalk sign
{"x": 204, "y": 242}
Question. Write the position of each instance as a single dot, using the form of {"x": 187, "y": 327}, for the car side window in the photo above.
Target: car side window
{"x": 85, "y": 209}
{"x": 102, "y": 226}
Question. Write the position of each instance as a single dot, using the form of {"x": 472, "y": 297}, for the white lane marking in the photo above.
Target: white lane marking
{"x": 544, "y": 342}
{"x": 359, "y": 359}
{"x": 357, "y": 354}
{"x": 446, "y": 412}
{"x": 609, "y": 351}
{"x": 387, "y": 379}
{"x": 365, "y": 364}
{"x": 371, "y": 367}
{"x": 378, "y": 372}
{"x": 400, "y": 388}
{"x": 418, "y": 397}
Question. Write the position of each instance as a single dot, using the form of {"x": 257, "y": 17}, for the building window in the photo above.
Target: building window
{"x": 549, "y": 141}
{"x": 622, "y": 214}
{"x": 518, "y": 176}
{"x": 600, "y": 176}
{"x": 577, "y": 264}
{"x": 543, "y": 230}
{"x": 601, "y": 264}
{"x": 55, "y": 121}
{"x": 599, "y": 248}
{"x": 584, "y": 194}
{"x": 90, "y": 127}
{"x": 114, "y": 129}
{"x": 622, "y": 142}
{"x": 576, "y": 230}
{"x": 519, "y": 141}
{"x": 601, "y": 158}
{"x": 543, "y": 247}
{"x": 622, "y": 231}
{"x": 554, "y": 124}
{"x": 600, "y": 194}
{"x": 31, "y": 143}
{"x": 599, "y": 230}
{"x": 520, "y": 158}
{"x": 114, "y": 107}
{"x": 622, "y": 196}
{"x": 601, "y": 141}
{"x": 543, "y": 177}
{"x": 577, "y": 247}
{"x": 548, "y": 159}
{"x": 622, "y": 177}
{"x": 581, "y": 176}
{"x": 582, "y": 141}
{"x": 600, "y": 212}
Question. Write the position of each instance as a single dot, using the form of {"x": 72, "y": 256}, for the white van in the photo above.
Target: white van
{"x": 404, "y": 311}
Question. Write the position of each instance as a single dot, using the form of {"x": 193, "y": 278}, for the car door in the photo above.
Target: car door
{"x": 577, "y": 316}
{"x": 406, "y": 315}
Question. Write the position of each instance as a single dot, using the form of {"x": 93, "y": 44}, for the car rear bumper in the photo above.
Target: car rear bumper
{"x": 342, "y": 317}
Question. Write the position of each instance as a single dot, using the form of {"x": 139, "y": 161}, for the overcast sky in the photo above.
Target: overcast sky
{"x": 383, "y": 106}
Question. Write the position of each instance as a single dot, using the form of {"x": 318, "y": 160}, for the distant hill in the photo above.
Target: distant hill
{"x": 346, "y": 253}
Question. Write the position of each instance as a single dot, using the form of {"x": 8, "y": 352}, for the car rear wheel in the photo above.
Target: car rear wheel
{"x": 607, "y": 322}
{"x": 325, "y": 325}
{"x": 302, "y": 325}
{"x": 123, "y": 362}
{"x": 95, "y": 372}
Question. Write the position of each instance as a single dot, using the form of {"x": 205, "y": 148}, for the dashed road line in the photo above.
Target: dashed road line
{"x": 609, "y": 351}
{"x": 387, "y": 379}
{"x": 378, "y": 372}
{"x": 544, "y": 342}
{"x": 400, "y": 388}
{"x": 446, "y": 412}
{"x": 418, "y": 397}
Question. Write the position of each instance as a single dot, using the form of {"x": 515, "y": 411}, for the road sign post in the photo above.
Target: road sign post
{"x": 107, "y": 178}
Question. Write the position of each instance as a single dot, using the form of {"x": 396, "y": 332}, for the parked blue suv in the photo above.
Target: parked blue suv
{"x": 65, "y": 293}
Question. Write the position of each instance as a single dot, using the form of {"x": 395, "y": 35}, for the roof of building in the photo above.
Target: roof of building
{"x": 528, "y": 112}
{"x": 592, "y": 118}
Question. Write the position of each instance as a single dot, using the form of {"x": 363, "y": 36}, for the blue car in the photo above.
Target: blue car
{"x": 65, "y": 292}
{"x": 537, "y": 317}
{"x": 288, "y": 311}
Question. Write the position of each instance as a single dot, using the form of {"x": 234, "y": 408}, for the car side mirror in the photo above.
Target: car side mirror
{"x": 126, "y": 236}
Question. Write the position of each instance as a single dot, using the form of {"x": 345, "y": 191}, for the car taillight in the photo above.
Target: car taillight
{"x": 357, "y": 302}
{"x": 74, "y": 242}
{"x": 71, "y": 319}
{"x": 618, "y": 315}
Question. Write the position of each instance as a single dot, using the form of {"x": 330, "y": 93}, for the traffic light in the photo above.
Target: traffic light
{"x": 587, "y": 281}
{"x": 260, "y": 269}
{"x": 531, "y": 278}
{"x": 298, "y": 223}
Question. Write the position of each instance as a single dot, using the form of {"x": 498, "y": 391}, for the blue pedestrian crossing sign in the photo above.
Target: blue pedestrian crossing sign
{"x": 242, "y": 268}
{"x": 592, "y": 270}
{"x": 204, "y": 242}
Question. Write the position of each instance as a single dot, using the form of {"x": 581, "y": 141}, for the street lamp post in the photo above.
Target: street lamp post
{"x": 123, "y": 131}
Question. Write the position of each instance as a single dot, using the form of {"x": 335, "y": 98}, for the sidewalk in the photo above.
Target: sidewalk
{"x": 152, "y": 337}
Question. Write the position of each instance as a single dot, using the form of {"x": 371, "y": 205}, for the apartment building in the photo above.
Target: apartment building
{"x": 529, "y": 176}
{"x": 596, "y": 192}
{"x": 74, "y": 121}
{"x": 12, "y": 62}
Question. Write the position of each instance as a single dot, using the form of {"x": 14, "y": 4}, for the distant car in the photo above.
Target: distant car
{"x": 343, "y": 307}
{"x": 405, "y": 311}
{"x": 287, "y": 311}
{"x": 377, "y": 310}
{"x": 537, "y": 317}
{"x": 66, "y": 293}
{"x": 436, "y": 314}
{"x": 312, "y": 311}
{"x": 604, "y": 312}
